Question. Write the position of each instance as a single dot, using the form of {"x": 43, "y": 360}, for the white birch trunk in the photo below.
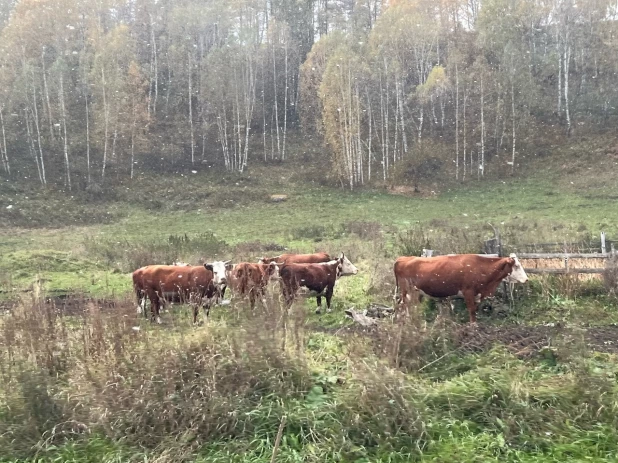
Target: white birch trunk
{"x": 191, "y": 111}
{"x": 482, "y": 156}
{"x": 5, "y": 160}
{"x": 106, "y": 124}
{"x": 285, "y": 100}
{"x": 456, "y": 122}
{"x": 38, "y": 134}
{"x": 513, "y": 115}
{"x": 64, "y": 134}
{"x": 31, "y": 146}
{"x": 567, "y": 59}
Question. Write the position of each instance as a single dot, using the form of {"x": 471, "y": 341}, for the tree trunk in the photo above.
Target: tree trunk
{"x": 87, "y": 137}
{"x": 46, "y": 91}
{"x": 276, "y": 104}
{"x": 465, "y": 100}
{"x": 5, "y": 159}
{"x": 106, "y": 123}
{"x": 31, "y": 146}
{"x": 38, "y": 133}
{"x": 482, "y": 156}
{"x": 513, "y": 115}
{"x": 567, "y": 59}
{"x": 64, "y": 135}
{"x": 456, "y": 122}
{"x": 285, "y": 99}
{"x": 191, "y": 111}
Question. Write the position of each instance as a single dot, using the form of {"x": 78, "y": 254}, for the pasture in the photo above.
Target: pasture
{"x": 84, "y": 378}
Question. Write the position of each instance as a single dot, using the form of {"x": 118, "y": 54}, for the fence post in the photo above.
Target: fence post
{"x": 602, "y": 242}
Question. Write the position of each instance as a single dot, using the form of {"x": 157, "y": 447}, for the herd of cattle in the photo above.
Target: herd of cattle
{"x": 471, "y": 276}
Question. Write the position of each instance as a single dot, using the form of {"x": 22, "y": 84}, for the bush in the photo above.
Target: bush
{"x": 128, "y": 255}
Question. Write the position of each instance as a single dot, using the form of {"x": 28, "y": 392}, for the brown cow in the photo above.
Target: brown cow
{"x": 161, "y": 283}
{"x": 472, "y": 276}
{"x": 297, "y": 258}
{"x": 248, "y": 279}
{"x": 319, "y": 279}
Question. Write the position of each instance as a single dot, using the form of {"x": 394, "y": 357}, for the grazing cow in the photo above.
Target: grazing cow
{"x": 472, "y": 276}
{"x": 318, "y": 278}
{"x": 248, "y": 279}
{"x": 198, "y": 285}
{"x": 297, "y": 258}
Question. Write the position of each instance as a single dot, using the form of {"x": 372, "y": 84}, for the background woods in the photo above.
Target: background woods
{"x": 94, "y": 91}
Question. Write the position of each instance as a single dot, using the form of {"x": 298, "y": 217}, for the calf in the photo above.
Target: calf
{"x": 297, "y": 258}
{"x": 247, "y": 279}
{"x": 318, "y": 278}
{"x": 472, "y": 276}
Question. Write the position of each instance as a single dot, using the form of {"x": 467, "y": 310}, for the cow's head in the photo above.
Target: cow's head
{"x": 267, "y": 260}
{"x": 219, "y": 271}
{"x": 272, "y": 271}
{"x": 518, "y": 274}
{"x": 347, "y": 267}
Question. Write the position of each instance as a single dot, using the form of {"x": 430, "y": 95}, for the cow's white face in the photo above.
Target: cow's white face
{"x": 347, "y": 267}
{"x": 518, "y": 274}
{"x": 219, "y": 271}
{"x": 274, "y": 271}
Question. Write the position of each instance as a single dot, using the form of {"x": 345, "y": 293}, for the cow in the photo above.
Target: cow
{"x": 318, "y": 278}
{"x": 472, "y": 276}
{"x": 198, "y": 285}
{"x": 297, "y": 258}
{"x": 248, "y": 279}
{"x": 138, "y": 286}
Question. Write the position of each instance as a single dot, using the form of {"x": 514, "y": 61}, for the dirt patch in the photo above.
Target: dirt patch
{"x": 602, "y": 339}
{"x": 71, "y": 305}
{"x": 522, "y": 341}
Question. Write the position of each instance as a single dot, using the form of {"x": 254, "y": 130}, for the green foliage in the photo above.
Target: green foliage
{"x": 130, "y": 255}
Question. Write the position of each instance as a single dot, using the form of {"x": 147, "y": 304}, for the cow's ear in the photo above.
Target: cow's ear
{"x": 208, "y": 267}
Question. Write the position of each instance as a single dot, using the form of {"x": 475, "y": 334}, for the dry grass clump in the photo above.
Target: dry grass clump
{"x": 97, "y": 373}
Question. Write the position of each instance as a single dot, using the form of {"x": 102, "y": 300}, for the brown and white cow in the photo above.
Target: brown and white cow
{"x": 297, "y": 258}
{"x": 472, "y": 276}
{"x": 197, "y": 285}
{"x": 138, "y": 286}
{"x": 248, "y": 279}
{"x": 318, "y": 278}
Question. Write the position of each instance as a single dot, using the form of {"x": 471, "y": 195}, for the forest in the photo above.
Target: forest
{"x": 404, "y": 89}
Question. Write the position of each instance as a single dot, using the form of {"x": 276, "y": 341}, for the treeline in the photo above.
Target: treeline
{"x": 96, "y": 89}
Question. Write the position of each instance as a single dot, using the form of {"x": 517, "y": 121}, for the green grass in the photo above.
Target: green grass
{"x": 143, "y": 390}
{"x": 525, "y": 210}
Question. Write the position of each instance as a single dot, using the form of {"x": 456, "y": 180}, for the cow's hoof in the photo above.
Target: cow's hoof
{"x": 329, "y": 310}
{"x": 159, "y": 320}
{"x": 318, "y": 311}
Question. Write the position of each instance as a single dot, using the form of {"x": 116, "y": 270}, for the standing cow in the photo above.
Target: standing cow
{"x": 199, "y": 285}
{"x": 248, "y": 279}
{"x": 472, "y": 276}
{"x": 318, "y": 278}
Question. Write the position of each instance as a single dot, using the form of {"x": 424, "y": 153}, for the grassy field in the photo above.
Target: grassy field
{"x": 84, "y": 379}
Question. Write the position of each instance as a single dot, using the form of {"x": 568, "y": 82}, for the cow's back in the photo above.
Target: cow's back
{"x": 314, "y": 258}
{"x": 172, "y": 278}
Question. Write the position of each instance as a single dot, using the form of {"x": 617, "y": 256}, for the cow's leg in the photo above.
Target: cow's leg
{"x": 155, "y": 307}
{"x": 470, "y": 299}
{"x": 328, "y": 296}
{"x": 252, "y": 298}
{"x": 319, "y": 301}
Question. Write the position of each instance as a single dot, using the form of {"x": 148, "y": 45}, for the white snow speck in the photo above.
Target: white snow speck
{"x": 10, "y": 206}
